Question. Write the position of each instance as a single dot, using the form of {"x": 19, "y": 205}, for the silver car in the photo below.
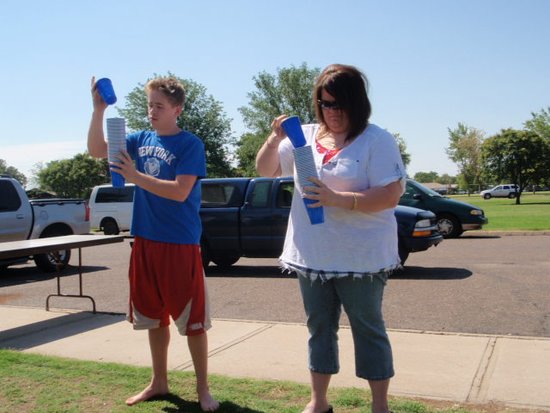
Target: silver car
{"x": 500, "y": 191}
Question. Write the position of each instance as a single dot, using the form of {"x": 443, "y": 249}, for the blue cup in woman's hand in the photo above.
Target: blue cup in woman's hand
{"x": 293, "y": 130}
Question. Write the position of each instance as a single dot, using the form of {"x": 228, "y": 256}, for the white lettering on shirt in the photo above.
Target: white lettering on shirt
{"x": 158, "y": 152}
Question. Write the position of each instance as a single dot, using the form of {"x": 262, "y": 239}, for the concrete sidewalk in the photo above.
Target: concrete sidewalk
{"x": 509, "y": 371}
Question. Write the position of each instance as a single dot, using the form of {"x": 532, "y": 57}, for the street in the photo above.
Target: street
{"x": 477, "y": 283}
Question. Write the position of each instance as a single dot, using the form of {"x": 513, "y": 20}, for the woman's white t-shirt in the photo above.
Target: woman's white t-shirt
{"x": 348, "y": 242}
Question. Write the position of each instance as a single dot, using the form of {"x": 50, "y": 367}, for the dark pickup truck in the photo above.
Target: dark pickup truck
{"x": 247, "y": 217}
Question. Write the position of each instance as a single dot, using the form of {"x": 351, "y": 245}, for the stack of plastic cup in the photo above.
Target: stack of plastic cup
{"x": 305, "y": 165}
{"x": 116, "y": 140}
{"x": 105, "y": 88}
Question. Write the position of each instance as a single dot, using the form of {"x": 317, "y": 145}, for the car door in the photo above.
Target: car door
{"x": 283, "y": 201}
{"x": 15, "y": 214}
{"x": 501, "y": 190}
{"x": 256, "y": 218}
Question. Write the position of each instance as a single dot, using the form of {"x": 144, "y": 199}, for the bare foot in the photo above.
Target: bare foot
{"x": 148, "y": 393}
{"x": 207, "y": 402}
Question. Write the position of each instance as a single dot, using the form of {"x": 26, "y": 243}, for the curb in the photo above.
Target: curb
{"x": 506, "y": 233}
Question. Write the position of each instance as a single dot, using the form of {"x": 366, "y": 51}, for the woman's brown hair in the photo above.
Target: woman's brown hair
{"x": 349, "y": 87}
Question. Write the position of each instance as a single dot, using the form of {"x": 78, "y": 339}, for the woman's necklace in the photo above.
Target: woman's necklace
{"x": 328, "y": 146}
{"x": 331, "y": 142}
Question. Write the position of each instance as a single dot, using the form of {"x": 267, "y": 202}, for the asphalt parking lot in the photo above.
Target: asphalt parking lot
{"x": 479, "y": 283}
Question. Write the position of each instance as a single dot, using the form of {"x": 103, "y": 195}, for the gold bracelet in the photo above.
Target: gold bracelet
{"x": 354, "y": 207}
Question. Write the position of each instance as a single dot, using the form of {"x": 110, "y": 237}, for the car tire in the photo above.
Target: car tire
{"x": 204, "y": 256}
{"x": 53, "y": 261}
{"x": 226, "y": 261}
{"x": 110, "y": 227}
{"x": 486, "y": 196}
{"x": 511, "y": 195}
{"x": 449, "y": 226}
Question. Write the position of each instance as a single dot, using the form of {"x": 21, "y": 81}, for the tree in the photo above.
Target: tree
{"x": 247, "y": 148}
{"x": 202, "y": 115}
{"x": 75, "y": 177}
{"x": 289, "y": 91}
{"x": 518, "y": 157}
{"x": 540, "y": 123}
{"x": 424, "y": 177}
{"x": 465, "y": 151}
{"x": 405, "y": 156}
{"x": 13, "y": 172}
{"x": 447, "y": 179}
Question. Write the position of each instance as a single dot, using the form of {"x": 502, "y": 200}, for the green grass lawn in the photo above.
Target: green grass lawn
{"x": 40, "y": 384}
{"x": 533, "y": 214}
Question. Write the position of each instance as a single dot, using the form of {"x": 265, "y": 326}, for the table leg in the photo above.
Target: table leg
{"x": 58, "y": 276}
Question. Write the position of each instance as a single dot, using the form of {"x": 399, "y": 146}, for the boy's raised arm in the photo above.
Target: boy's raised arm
{"x": 97, "y": 146}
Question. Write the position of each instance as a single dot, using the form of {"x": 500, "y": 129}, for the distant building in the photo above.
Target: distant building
{"x": 442, "y": 189}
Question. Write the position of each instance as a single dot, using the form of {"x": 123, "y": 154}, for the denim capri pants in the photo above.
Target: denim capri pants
{"x": 361, "y": 298}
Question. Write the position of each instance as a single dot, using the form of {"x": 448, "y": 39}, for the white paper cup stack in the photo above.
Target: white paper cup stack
{"x": 116, "y": 142}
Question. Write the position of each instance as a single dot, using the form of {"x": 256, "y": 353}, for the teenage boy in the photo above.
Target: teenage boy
{"x": 166, "y": 273}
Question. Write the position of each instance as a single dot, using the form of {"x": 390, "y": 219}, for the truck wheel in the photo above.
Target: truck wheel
{"x": 449, "y": 226}
{"x": 487, "y": 196}
{"x": 53, "y": 261}
{"x": 511, "y": 195}
{"x": 204, "y": 256}
{"x": 226, "y": 260}
{"x": 110, "y": 227}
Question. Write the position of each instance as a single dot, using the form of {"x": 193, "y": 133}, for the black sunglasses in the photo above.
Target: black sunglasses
{"x": 327, "y": 104}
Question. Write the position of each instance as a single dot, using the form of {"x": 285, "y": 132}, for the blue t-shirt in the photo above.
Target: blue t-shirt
{"x": 164, "y": 157}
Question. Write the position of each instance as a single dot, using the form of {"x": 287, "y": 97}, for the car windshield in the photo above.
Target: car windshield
{"x": 429, "y": 191}
{"x": 432, "y": 193}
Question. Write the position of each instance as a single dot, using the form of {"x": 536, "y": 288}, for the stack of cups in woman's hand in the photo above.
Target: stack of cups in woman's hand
{"x": 116, "y": 140}
{"x": 305, "y": 165}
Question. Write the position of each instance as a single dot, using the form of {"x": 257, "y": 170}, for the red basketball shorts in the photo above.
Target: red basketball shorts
{"x": 167, "y": 280}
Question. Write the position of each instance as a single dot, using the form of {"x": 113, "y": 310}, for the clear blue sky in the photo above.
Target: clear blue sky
{"x": 430, "y": 63}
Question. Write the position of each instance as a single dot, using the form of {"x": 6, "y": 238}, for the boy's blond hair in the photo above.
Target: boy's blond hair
{"x": 170, "y": 87}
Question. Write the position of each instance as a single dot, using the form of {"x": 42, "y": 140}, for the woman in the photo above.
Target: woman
{"x": 344, "y": 261}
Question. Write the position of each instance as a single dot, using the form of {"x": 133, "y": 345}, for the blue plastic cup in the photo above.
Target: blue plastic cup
{"x": 316, "y": 215}
{"x": 293, "y": 129}
{"x": 105, "y": 88}
{"x": 117, "y": 179}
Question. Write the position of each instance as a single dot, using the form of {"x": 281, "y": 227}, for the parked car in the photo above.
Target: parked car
{"x": 22, "y": 218}
{"x": 453, "y": 217}
{"x": 500, "y": 191}
{"x": 248, "y": 217}
{"x": 111, "y": 208}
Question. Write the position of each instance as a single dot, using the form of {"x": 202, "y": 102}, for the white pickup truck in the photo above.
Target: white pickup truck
{"x": 21, "y": 218}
